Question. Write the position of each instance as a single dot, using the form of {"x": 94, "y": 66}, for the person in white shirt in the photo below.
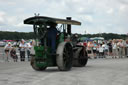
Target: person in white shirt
{"x": 114, "y": 49}
{"x": 29, "y": 47}
{"x": 101, "y": 51}
{"x": 22, "y": 47}
{"x": 7, "y": 48}
{"x": 105, "y": 47}
{"x": 32, "y": 51}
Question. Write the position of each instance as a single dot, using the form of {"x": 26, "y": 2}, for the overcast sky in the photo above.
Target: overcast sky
{"x": 96, "y": 16}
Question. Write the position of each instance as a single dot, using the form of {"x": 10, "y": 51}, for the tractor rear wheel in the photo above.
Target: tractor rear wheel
{"x": 80, "y": 58}
{"x": 65, "y": 56}
{"x": 33, "y": 64}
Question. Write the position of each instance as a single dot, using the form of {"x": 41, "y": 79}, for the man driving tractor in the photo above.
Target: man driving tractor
{"x": 51, "y": 36}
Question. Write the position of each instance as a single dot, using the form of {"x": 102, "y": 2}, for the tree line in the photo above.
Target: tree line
{"x": 106, "y": 36}
{"x": 30, "y": 35}
{"x": 6, "y": 35}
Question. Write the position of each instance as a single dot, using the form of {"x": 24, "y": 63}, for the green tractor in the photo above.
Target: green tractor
{"x": 67, "y": 52}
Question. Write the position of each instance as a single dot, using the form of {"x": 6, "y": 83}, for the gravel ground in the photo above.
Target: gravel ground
{"x": 97, "y": 72}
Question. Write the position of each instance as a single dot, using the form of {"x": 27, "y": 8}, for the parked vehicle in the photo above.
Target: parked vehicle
{"x": 2, "y": 44}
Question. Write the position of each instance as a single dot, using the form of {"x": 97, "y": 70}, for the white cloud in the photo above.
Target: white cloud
{"x": 89, "y": 18}
{"x": 122, "y": 7}
{"x": 2, "y": 14}
{"x": 95, "y": 15}
{"x": 110, "y": 11}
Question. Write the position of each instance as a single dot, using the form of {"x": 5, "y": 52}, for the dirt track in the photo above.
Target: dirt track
{"x": 97, "y": 72}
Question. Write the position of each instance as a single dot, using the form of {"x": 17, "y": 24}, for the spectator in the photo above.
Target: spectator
{"x": 127, "y": 48}
{"x": 29, "y": 47}
{"x": 120, "y": 49}
{"x": 32, "y": 51}
{"x": 101, "y": 51}
{"x": 90, "y": 48}
{"x": 22, "y": 47}
{"x": 123, "y": 48}
{"x": 13, "y": 54}
{"x": 110, "y": 48}
{"x": 105, "y": 47}
{"x": 7, "y": 49}
{"x": 85, "y": 44}
{"x": 95, "y": 46}
{"x": 114, "y": 49}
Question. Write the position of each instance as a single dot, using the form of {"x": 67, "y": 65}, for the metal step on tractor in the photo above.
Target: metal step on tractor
{"x": 55, "y": 44}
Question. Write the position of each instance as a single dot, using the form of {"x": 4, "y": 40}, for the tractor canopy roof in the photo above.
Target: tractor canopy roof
{"x": 43, "y": 19}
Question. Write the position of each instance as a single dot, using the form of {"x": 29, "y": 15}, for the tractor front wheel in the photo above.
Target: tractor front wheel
{"x": 33, "y": 64}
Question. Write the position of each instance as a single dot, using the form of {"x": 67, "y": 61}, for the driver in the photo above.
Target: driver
{"x": 51, "y": 36}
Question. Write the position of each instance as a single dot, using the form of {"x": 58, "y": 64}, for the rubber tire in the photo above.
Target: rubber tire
{"x": 34, "y": 66}
{"x": 60, "y": 58}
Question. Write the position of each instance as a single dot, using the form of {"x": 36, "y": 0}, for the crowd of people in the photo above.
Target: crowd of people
{"x": 23, "y": 47}
{"x": 116, "y": 48}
